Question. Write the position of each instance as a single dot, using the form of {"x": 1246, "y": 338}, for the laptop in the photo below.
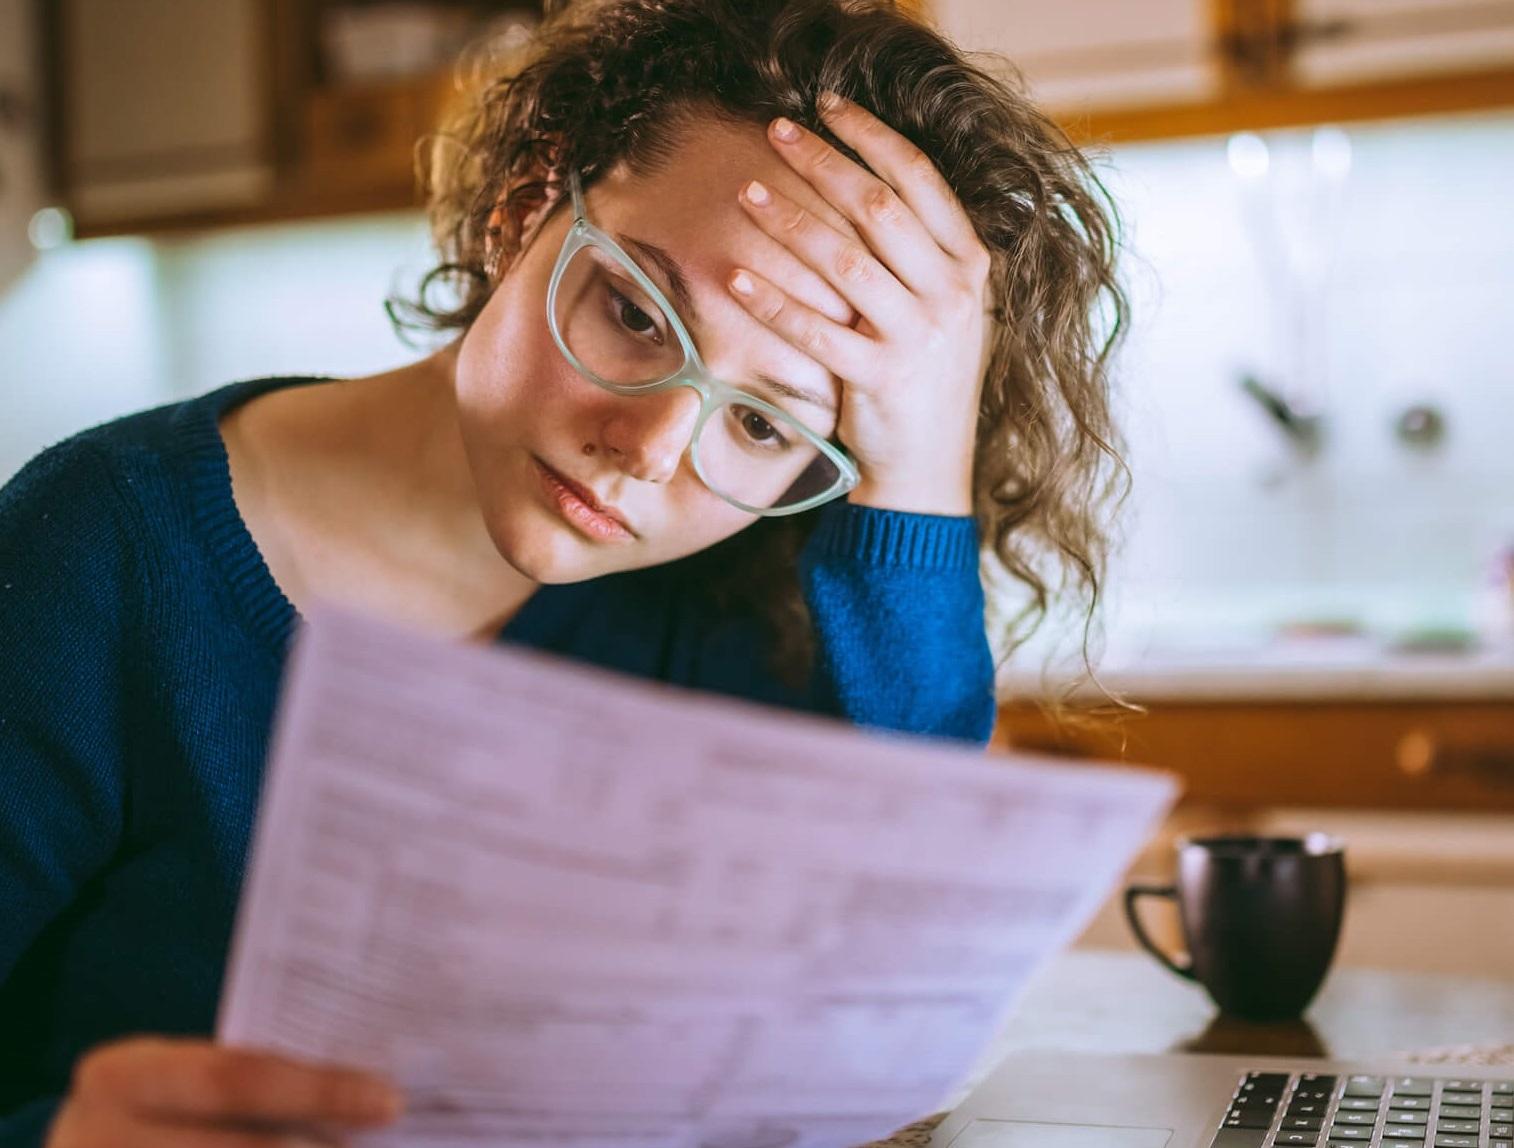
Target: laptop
{"x": 1076, "y": 1100}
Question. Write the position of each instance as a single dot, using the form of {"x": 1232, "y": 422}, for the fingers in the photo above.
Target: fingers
{"x": 841, "y": 350}
{"x": 889, "y": 226}
{"x": 92, "y": 1128}
{"x": 844, "y": 263}
{"x": 907, "y": 170}
{"x": 196, "y": 1080}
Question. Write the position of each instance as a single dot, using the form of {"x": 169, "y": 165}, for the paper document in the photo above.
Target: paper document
{"x": 560, "y": 906}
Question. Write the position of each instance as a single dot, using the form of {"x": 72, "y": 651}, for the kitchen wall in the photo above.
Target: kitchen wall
{"x": 101, "y": 327}
{"x": 1359, "y": 273}
{"x": 1372, "y": 271}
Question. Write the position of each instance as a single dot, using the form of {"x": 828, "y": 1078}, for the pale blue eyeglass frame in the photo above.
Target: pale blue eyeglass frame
{"x": 713, "y": 392}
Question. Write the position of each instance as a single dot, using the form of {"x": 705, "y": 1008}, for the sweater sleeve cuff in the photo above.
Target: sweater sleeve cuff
{"x": 898, "y": 538}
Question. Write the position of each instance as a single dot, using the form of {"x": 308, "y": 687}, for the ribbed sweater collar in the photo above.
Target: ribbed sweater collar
{"x": 269, "y": 613}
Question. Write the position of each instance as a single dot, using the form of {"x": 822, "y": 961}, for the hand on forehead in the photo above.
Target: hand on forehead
{"x": 690, "y": 207}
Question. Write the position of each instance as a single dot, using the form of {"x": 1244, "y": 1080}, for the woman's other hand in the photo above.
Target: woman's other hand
{"x": 911, "y": 369}
{"x": 152, "y": 1092}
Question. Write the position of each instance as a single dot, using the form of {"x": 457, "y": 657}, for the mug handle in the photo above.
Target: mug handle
{"x": 1183, "y": 966}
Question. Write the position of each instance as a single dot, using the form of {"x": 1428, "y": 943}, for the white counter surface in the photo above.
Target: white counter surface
{"x": 1329, "y": 669}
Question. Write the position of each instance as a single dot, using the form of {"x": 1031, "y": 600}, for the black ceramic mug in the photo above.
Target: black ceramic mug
{"x": 1261, "y": 916}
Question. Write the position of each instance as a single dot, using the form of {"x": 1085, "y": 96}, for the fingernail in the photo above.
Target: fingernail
{"x": 757, "y": 194}
{"x": 785, "y": 129}
{"x": 741, "y": 283}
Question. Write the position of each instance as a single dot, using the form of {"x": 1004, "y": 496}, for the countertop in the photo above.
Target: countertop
{"x": 1303, "y": 669}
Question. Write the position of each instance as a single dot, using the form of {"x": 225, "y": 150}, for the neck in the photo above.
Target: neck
{"x": 405, "y": 423}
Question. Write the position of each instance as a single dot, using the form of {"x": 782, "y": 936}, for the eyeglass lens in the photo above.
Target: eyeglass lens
{"x": 618, "y": 333}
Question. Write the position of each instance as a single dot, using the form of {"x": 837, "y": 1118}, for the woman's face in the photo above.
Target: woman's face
{"x": 533, "y": 427}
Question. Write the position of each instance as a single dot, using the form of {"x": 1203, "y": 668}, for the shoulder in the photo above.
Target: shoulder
{"x": 111, "y": 476}
{"x": 68, "y": 538}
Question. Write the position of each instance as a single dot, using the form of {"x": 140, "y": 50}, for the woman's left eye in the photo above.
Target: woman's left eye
{"x": 757, "y": 429}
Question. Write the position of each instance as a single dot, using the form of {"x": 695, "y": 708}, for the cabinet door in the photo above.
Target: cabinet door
{"x": 1095, "y": 53}
{"x": 164, "y": 106}
{"x": 21, "y": 182}
{"x": 1409, "y": 755}
{"x": 1345, "y": 41}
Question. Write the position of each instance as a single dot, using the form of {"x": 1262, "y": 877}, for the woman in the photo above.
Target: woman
{"x": 716, "y": 411}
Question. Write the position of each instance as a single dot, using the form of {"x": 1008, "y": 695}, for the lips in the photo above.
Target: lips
{"x": 579, "y": 506}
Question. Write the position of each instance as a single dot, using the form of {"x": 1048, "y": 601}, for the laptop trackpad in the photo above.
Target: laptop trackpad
{"x": 1019, "y": 1134}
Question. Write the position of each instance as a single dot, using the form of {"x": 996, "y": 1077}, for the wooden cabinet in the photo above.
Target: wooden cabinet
{"x": 1081, "y": 54}
{"x": 1336, "y": 42}
{"x": 1427, "y": 755}
{"x": 171, "y": 114}
{"x": 162, "y": 107}
{"x": 1115, "y": 71}
{"x": 174, "y": 115}
{"x": 21, "y": 177}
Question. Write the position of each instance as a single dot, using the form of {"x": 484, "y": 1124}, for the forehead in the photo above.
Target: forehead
{"x": 710, "y": 161}
{"x": 688, "y": 206}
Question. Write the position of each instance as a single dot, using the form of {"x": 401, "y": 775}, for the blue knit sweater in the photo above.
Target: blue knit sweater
{"x": 141, "y": 643}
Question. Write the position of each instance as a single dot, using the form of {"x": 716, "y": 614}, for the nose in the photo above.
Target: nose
{"x": 649, "y": 433}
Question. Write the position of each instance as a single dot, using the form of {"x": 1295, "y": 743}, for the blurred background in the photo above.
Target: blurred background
{"x": 1315, "y": 597}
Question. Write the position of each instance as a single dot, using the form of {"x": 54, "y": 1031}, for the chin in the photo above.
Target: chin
{"x": 544, "y": 551}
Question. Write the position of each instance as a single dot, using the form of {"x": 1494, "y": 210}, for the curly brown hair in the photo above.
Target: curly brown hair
{"x": 613, "y": 81}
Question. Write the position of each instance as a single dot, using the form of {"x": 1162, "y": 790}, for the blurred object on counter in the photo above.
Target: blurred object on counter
{"x": 1309, "y": 629}
{"x": 1433, "y": 638}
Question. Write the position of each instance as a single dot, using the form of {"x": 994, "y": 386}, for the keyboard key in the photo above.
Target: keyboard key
{"x": 1472, "y": 1100}
{"x": 1501, "y": 1114}
{"x": 1413, "y": 1086}
{"x": 1239, "y": 1138}
{"x": 1413, "y": 1103}
{"x": 1360, "y": 1103}
{"x": 1461, "y": 1086}
{"x": 1444, "y": 1125}
{"x": 1460, "y": 1111}
{"x": 1308, "y": 1107}
{"x": 1503, "y": 1088}
{"x": 1505, "y": 1130}
{"x": 1360, "y": 1119}
{"x": 1365, "y": 1086}
{"x": 1303, "y": 1123}
{"x": 1346, "y": 1132}
{"x": 1404, "y": 1136}
{"x": 1403, "y": 1118}
{"x": 1254, "y": 1118}
{"x": 1297, "y": 1138}
{"x": 1445, "y": 1140}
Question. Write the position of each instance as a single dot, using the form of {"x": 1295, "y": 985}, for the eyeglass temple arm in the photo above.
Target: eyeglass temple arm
{"x": 577, "y": 192}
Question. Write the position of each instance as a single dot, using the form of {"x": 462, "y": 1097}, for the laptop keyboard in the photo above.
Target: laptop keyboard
{"x": 1276, "y": 1108}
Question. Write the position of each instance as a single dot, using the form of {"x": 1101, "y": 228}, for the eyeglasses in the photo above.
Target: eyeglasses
{"x": 618, "y": 330}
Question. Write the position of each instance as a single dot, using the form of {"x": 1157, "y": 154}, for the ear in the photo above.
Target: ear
{"x": 511, "y": 226}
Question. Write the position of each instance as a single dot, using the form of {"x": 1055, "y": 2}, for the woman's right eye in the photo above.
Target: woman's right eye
{"x": 632, "y": 317}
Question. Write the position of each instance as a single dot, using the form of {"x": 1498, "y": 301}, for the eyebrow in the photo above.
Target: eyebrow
{"x": 678, "y": 283}
{"x": 672, "y": 273}
{"x": 793, "y": 392}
